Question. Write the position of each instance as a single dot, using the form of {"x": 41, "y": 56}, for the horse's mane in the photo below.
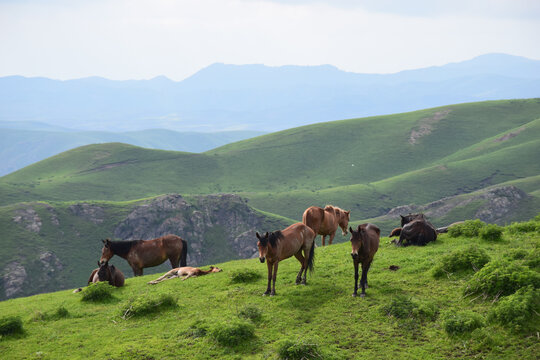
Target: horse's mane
{"x": 122, "y": 248}
{"x": 333, "y": 208}
{"x": 273, "y": 237}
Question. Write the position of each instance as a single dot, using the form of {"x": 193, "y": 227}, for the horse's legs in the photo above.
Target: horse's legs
{"x": 331, "y": 238}
{"x": 363, "y": 280}
{"x": 174, "y": 261}
{"x": 168, "y": 275}
{"x": 322, "y": 240}
{"x": 268, "y": 289}
{"x": 355, "y": 262}
{"x": 303, "y": 264}
{"x": 137, "y": 271}
{"x": 274, "y": 279}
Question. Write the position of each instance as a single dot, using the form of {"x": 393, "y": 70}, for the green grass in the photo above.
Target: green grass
{"x": 321, "y": 317}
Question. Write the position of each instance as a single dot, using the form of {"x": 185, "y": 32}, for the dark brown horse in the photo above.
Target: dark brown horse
{"x": 147, "y": 253}
{"x": 114, "y": 276}
{"x": 415, "y": 230}
{"x": 280, "y": 245}
{"x": 365, "y": 243}
{"x": 326, "y": 221}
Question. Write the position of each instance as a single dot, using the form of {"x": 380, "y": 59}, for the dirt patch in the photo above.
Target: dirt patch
{"x": 425, "y": 127}
{"x": 509, "y": 135}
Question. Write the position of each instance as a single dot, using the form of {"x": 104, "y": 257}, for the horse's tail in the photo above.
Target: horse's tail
{"x": 311, "y": 257}
{"x": 183, "y": 256}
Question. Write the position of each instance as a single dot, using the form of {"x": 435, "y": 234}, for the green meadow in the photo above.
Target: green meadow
{"x": 410, "y": 313}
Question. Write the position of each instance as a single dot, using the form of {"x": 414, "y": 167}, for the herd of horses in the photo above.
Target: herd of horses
{"x": 297, "y": 240}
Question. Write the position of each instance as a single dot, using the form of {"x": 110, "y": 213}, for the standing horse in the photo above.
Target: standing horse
{"x": 326, "y": 221}
{"x": 415, "y": 229}
{"x": 280, "y": 245}
{"x": 185, "y": 273}
{"x": 114, "y": 276}
{"x": 147, "y": 253}
{"x": 365, "y": 243}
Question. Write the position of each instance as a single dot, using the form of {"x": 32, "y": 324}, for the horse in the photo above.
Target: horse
{"x": 415, "y": 229}
{"x": 326, "y": 221}
{"x": 114, "y": 276}
{"x": 365, "y": 243}
{"x": 283, "y": 244}
{"x": 147, "y": 253}
{"x": 185, "y": 273}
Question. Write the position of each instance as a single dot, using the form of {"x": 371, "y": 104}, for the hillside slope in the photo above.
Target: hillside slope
{"x": 362, "y": 164}
{"x": 403, "y": 316}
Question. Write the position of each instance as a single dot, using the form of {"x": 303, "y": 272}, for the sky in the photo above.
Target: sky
{"x": 141, "y": 39}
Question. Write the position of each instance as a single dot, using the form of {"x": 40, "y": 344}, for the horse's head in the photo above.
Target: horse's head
{"x": 357, "y": 238}
{"x": 215, "y": 269}
{"x": 262, "y": 245}
{"x": 106, "y": 251}
{"x": 411, "y": 217}
{"x": 104, "y": 272}
{"x": 344, "y": 217}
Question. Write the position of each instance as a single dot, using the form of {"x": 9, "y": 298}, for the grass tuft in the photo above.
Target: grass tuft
{"x": 519, "y": 311}
{"x": 98, "y": 292}
{"x": 244, "y": 276}
{"x": 233, "y": 333}
{"x": 470, "y": 228}
{"x": 472, "y": 258}
{"x": 461, "y": 322}
{"x": 299, "y": 350}
{"x": 148, "y": 304}
{"x": 491, "y": 232}
{"x": 11, "y": 325}
{"x": 250, "y": 312}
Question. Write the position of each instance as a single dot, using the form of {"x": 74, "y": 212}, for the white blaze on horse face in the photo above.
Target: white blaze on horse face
{"x": 262, "y": 251}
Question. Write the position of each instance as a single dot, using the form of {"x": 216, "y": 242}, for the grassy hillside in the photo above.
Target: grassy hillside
{"x": 361, "y": 164}
{"x": 407, "y": 314}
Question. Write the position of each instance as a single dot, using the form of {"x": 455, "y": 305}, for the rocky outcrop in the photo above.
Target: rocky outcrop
{"x": 89, "y": 212}
{"x": 13, "y": 279}
{"x": 494, "y": 206}
{"x": 222, "y": 220}
{"x": 50, "y": 263}
{"x": 28, "y": 218}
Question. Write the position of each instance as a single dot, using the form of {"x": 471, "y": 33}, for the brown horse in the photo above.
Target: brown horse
{"x": 280, "y": 245}
{"x": 415, "y": 230}
{"x": 365, "y": 243}
{"x": 114, "y": 276}
{"x": 185, "y": 273}
{"x": 147, "y": 253}
{"x": 326, "y": 221}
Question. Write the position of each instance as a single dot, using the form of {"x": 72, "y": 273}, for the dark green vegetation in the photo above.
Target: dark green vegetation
{"x": 405, "y": 314}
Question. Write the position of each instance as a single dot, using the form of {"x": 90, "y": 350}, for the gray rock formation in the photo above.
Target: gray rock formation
{"x": 89, "y": 212}
{"x": 28, "y": 218}
{"x": 13, "y": 278}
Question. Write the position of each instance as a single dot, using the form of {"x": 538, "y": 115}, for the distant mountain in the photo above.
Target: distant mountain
{"x": 257, "y": 97}
{"x": 31, "y": 141}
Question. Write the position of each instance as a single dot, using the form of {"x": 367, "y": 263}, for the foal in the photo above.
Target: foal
{"x": 365, "y": 243}
{"x": 184, "y": 272}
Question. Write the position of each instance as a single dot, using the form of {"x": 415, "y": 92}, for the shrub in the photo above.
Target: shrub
{"x": 457, "y": 323}
{"x": 299, "y": 350}
{"x": 501, "y": 278}
{"x": 516, "y": 254}
{"x": 11, "y": 325}
{"x": 96, "y": 292}
{"x": 523, "y": 227}
{"x": 197, "y": 329}
{"x": 233, "y": 333}
{"x": 519, "y": 311}
{"x": 470, "y": 228}
{"x": 250, "y": 312}
{"x": 145, "y": 305}
{"x": 491, "y": 232}
{"x": 244, "y": 276}
{"x": 471, "y": 258}
{"x": 532, "y": 259}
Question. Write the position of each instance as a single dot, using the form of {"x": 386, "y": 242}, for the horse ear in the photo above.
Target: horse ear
{"x": 350, "y": 229}
{"x": 266, "y": 235}
{"x": 403, "y": 217}
{"x": 258, "y": 236}
{"x": 103, "y": 241}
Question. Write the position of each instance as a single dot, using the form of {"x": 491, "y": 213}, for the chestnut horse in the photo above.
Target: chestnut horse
{"x": 185, "y": 273}
{"x": 280, "y": 245}
{"x": 147, "y": 253}
{"x": 114, "y": 276}
{"x": 365, "y": 243}
{"x": 326, "y": 221}
{"x": 415, "y": 229}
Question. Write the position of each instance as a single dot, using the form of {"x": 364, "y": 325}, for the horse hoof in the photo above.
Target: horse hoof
{"x": 354, "y": 295}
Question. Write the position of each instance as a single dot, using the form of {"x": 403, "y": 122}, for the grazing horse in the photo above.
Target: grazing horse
{"x": 415, "y": 229}
{"x": 147, "y": 253}
{"x": 326, "y": 221}
{"x": 185, "y": 273}
{"x": 114, "y": 276}
{"x": 280, "y": 245}
{"x": 365, "y": 243}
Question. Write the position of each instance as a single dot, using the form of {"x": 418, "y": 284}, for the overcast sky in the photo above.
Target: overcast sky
{"x": 141, "y": 39}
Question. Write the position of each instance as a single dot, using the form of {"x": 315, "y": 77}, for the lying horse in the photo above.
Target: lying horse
{"x": 147, "y": 253}
{"x": 185, "y": 273}
{"x": 326, "y": 221}
{"x": 415, "y": 229}
{"x": 280, "y": 245}
{"x": 114, "y": 276}
{"x": 365, "y": 243}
